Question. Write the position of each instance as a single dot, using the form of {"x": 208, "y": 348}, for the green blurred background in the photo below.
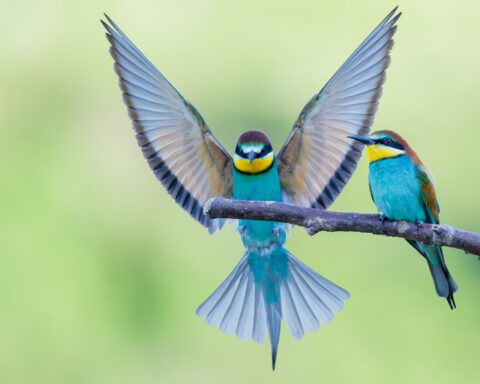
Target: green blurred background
{"x": 100, "y": 272}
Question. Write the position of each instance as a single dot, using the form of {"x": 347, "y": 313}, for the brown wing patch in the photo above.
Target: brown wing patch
{"x": 430, "y": 197}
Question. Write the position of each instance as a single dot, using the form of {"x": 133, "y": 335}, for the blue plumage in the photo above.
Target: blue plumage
{"x": 269, "y": 284}
{"x": 402, "y": 189}
{"x": 395, "y": 189}
{"x": 315, "y": 163}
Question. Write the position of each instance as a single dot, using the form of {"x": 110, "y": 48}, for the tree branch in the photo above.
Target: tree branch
{"x": 316, "y": 220}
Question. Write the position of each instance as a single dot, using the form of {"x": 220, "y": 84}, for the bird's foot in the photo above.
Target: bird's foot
{"x": 382, "y": 218}
{"x": 279, "y": 232}
{"x": 242, "y": 229}
{"x": 419, "y": 224}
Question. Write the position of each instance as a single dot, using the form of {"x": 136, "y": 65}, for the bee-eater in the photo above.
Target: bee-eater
{"x": 402, "y": 189}
{"x": 314, "y": 164}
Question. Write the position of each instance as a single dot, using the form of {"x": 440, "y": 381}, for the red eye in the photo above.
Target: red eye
{"x": 388, "y": 141}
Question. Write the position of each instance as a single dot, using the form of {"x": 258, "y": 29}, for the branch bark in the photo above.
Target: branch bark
{"x": 316, "y": 220}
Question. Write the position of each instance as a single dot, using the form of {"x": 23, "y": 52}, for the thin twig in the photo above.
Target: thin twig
{"x": 316, "y": 220}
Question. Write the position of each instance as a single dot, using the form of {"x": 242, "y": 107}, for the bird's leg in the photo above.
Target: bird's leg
{"x": 382, "y": 218}
{"x": 242, "y": 229}
{"x": 419, "y": 224}
{"x": 277, "y": 231}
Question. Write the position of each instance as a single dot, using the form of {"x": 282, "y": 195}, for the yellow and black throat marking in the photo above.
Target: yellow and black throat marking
{"x": 253, "y": 157}
{"x": 257, "y": 165}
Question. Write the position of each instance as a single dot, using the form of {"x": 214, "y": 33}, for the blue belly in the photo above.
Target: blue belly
{"x": 263, "y": 186}
{"x": 396, "y": 189}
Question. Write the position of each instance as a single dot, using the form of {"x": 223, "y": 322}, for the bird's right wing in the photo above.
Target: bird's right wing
{"x": 179, "y": 147}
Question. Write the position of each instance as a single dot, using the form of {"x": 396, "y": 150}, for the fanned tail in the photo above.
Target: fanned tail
{"x": 262, "y": 290}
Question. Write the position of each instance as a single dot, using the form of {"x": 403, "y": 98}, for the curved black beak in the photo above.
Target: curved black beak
{"x": 251, "y": 156}
{"x": 362, "y": 139}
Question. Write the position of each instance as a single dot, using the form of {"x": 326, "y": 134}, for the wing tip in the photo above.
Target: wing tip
{"x": 107, "y": 24}
{"x": 111, "y": 24}
{"x": 393, "y": 15}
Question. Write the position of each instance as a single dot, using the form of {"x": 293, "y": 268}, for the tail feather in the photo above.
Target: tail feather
{"x": 245, "y": 326}
{"x": 259, "y": 320}
{"x": 451, "y": 302}
{"x": 308, "y": 299}
{"x": 331, "y": 294}
{"x": 451, "y": 283}
{"x": 440, "y": 279}
{"x": 248, "y": 305}
{"x": 231, "y": 317}
{"x": 443, "y": 280}
{"x": 273, "y": 320}
{"x": 452, "y": 286}
{"x": 236, "y": 306}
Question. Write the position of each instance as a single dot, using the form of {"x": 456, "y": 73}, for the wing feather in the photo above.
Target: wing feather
{"x": 428, "y": 196}
{"x": 318, "y": 159}
{"x": 179, "y": 147}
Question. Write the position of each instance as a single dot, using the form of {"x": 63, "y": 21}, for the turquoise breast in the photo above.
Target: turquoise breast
{"x": 261, "y": 186}
{"x": 396, "y": 189}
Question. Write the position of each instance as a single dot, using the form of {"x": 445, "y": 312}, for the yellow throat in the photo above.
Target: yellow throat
{"x": 378, "y": 152}
{"x": 256, "y": 166}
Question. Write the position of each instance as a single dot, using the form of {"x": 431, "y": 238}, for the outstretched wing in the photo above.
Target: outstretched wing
{"x": 178, "y": 145}
{"x": 318, "y": 159}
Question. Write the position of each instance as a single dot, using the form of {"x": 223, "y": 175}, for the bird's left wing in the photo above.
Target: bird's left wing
{"x": 318, "y": 159}
{"x": 174, "y": 138}
{"x": 428, "y": 197}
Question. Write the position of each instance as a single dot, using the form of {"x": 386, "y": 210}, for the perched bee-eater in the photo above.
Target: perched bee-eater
{"x": 314, "y": 164}
{"x": 402, "y": 189}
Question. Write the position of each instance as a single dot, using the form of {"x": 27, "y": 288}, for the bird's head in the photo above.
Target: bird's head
{"x": 385, "y": 144}
{"x": 254, "y": 153}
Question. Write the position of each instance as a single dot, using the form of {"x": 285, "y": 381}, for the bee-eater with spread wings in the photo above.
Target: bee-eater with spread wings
{"x": 268, "y": 284}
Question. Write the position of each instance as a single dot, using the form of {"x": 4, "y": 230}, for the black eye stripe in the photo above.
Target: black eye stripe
{"x": 391, "y": 143}
{"x": 265, "y": 150}
{"x": 239, "y": 152}
{"x": 397, "y": 146}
